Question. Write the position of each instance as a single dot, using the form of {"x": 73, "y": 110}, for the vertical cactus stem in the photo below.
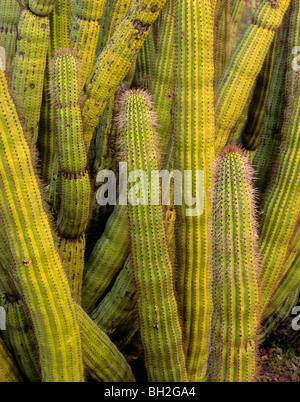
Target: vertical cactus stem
{"x": 281, "y": 207}
{"x": 163, "y": 76}
{"x": 243, "y": 67}
{"x": 153, "y": 274}
{"x": 9, "y": 16}
{"x": 223, "y": 36}
{"x": 28, "y": 68}
{"x": 113, "y": 63}
{"x": 72, "y": 253}
{"x": 8, "y": 369}
{"x": 60, "y": 26}
{"x": 194, "y": 134}
{"x": 36, "y": 263}
{"x": 238, "y": 7}
{"x": 235, "y": 271}
{"x": 85, "y": 33}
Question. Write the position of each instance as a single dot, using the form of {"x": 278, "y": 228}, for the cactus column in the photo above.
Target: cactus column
{"x": 194, "y": 131}
{"x": 235, "y": 271}
{"x": 152, "y": 268}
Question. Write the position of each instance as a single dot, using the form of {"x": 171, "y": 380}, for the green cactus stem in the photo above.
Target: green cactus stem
{"x": 104, "y": 361}
{"x": 116, "y": 59}
{"x": 106, "y": 259}
{"x": 235, "y": 271}
{"x": 28, "y": 68}
{"x": 151, "y": 264}
{"x": 281, "y": 207}
{"x": 223, "y": 36}
{"x": 162, "y": 86}
{"x": 9, "y": 16}
{"x": 85, "y": 33}
{"x": 36, "y": 263}
{"x": 8, "y": 369}
{"x": 194, "y": 152}
{"x": 251, "y": 134}
{"x": 244, "y": 65}
{"x": 22, "y": 339}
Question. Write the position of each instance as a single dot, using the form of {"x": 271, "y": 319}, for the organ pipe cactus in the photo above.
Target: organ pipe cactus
{"x": 98, "y": 283}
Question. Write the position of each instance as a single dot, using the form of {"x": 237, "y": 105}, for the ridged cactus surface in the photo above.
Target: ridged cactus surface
{"x": 149, "y": 187}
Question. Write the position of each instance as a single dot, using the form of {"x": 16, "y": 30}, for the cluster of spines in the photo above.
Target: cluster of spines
{"x": 235, "y": 318}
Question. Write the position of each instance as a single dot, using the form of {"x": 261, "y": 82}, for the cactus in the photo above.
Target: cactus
{"x": 235, "y": 271}
{"x": 95, "y": 291}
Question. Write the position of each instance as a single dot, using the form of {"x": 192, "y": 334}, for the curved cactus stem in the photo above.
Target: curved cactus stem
{"x": 254, "y": 125}
{"x": 8, "y": 369}
{"x": 118, "y": 308}
{"x": 36, "y": 263}
{"x": 244, "y": 65}
{"x": 281, "y": 207}
{"x": 106, "y": 259}
{"x": 235, "y": 272}
{"x": 103, "y": 360}
{"x": 41, "y": 7}
{"x": 278, "y": 316}
{"x": 194, "y": 134}
{"x": 85, "y": 33}
{"x": 121, "y": 50}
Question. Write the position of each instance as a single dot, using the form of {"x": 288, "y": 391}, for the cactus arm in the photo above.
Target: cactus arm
{"x": 235, "y": 272}
{"x": 145, "y": 63}
{"x": 106, "y": 259}
{"x": 85, "y": 33}
{"x": 103, "y": 360}
{"x": 243, "y": 67}
{"x": 9, "y": 16}
{"x": 280, "y": 220}
{"x": 194, "y": 151}
{"x": 115, "y": 60}
{"x": 36, "y": 262}
{"x": 152, "y": 268}
{"x": 29, "y": 68}
{"x": 8, "y": 369}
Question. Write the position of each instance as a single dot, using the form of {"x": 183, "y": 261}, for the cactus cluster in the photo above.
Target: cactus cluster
{"x": 149, "y": 187}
